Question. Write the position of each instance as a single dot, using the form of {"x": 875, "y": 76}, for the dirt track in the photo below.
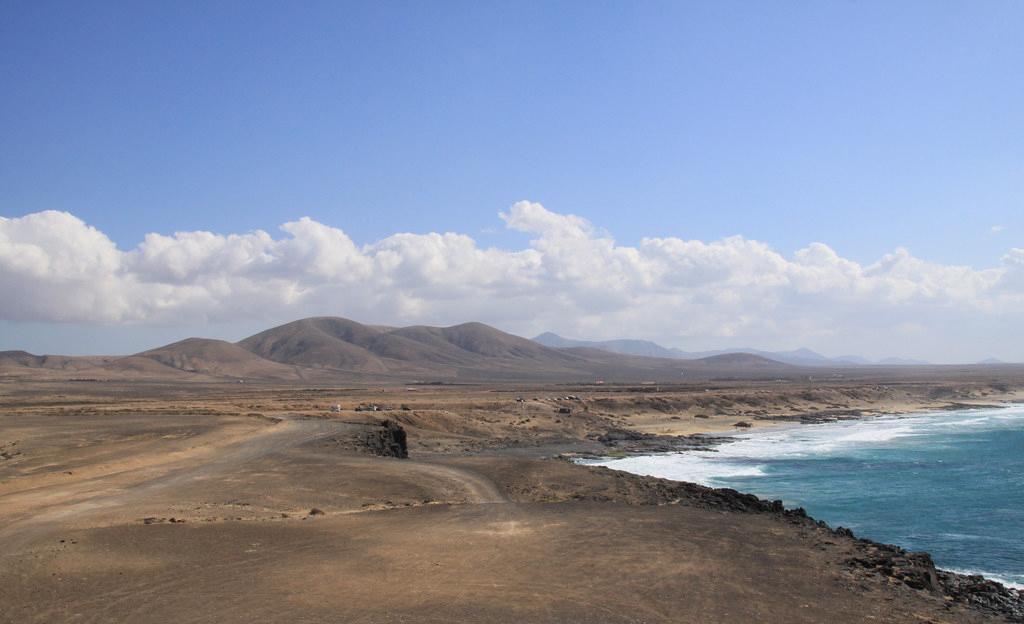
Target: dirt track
{"x": 440, "y": 537}
{"x": 114, "y": 493}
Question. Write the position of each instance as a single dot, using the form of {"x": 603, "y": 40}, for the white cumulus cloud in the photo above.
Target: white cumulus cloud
{"x": 571, "y": 277}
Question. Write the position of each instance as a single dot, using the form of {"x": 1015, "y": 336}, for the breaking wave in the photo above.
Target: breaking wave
{"x": 747, "y": 454}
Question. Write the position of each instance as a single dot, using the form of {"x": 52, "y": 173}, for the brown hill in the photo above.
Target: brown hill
{"x": 139, "y": 367}
{"x": 467, "y": 351}
{"x": 738, "y": 360}
{"x": 217, "y": 358}
{"x": 333, "y": 343}
{"x": 61, "y": 367}
{"x": 25, "y": 359}
{"x": 330, "y": 350}
{"x": 344, "y": 345}
{"x": 25, "y": 364}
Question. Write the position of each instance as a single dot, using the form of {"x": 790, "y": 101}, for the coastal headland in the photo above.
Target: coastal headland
{"x": 149, "y": 501}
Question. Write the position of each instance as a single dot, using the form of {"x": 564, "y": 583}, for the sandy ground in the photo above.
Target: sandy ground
{"x": 274, "y": 520}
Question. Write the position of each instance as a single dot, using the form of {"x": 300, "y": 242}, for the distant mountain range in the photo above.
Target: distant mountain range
{"x": 646, "y": 348}
{"x": 333, "y": 350}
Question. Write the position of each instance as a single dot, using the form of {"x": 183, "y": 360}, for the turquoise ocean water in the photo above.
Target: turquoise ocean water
{"x": 950, "y": 483}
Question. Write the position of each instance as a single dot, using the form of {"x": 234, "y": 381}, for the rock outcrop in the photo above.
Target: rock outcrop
{"x": 387, "y": 439}
{"x": 639, "y": 443}
{"x": 917, "y": 571}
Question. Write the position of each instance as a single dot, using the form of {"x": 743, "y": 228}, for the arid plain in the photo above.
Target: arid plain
{"x": 206, "y": 493}
{"x": 149, "y": 502}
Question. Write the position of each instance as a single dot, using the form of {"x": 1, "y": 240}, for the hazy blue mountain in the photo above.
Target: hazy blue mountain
{"x": 852, "y": 359}
{"x": 644, "y": 348}
{"x": 797, "y": 357}
{"x": 896, "y": 361}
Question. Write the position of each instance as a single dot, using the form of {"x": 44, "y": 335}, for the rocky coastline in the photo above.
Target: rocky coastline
{"x": 916, "y": 570}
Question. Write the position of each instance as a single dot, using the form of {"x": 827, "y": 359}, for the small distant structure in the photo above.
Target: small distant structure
{"x": 335, "y": 408}
{"x": 565, "y": 410}
{"x": 599, "y": 382}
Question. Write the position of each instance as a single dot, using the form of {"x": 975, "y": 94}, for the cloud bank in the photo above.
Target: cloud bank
{"x": 571, "y": 278}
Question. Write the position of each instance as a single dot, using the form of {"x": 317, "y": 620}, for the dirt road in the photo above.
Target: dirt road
{"x": 30, "y": 513}
{"x": 277, "y": 522}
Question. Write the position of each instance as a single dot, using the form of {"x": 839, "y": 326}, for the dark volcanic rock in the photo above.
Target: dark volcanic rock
{"x": 983, "y": 594}
{"x": 385, "y": 438}
{"x": 636, "y": 442}
{"x": 916, "y": 570}
{"x": 815, "y": 418}
{"x": 388, "y": 440}
{"x": 652, "y": 490}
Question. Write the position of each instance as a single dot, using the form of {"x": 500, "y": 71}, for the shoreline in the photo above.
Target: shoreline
{"x": 993, "y": 593}
{"x": 479, "y": 494}
{"x": 1019, "y": 587}
{"x": 631, "y": 442}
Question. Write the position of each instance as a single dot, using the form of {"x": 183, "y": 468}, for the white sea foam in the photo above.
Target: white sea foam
{"x": 1013, "y": 413}
{"x": 756, "y": 453}
{"x": 747, "y": 455}
{"x": 968, "y": 422}
{"x": 880, "y": 434}
{"x": 696, "y": 467}
{"x": 990, "y": 576}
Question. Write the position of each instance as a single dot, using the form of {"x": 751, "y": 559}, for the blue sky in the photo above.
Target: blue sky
{"x": 867, "y": 126}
